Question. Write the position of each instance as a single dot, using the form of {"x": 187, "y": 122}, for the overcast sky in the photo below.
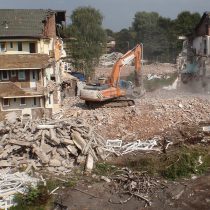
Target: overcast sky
{"x": 118, "y": 14}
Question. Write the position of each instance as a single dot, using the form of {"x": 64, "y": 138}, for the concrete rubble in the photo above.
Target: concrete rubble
{"x": 152, "y": 115}
{"x": 107, "y": 60}
{"x": 54, "y": 145}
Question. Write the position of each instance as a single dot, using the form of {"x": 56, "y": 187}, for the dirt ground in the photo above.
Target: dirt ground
{"x": 193, "y": 194}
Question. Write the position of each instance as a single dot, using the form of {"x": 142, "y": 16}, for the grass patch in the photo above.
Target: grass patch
{"x": 39, "y": 198}
{"x": 182, "y": 162}
{"x": 104, "y": 168}
{"x": 185, "y": 163}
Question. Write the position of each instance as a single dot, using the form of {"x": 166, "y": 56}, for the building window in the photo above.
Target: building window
{"x": 34, "y": 101}
{"x": 5, "y": 75}
{"x": 205, "y": 47}
{"x": 5, "y": 102}
{"x": 20, "y": 46}
{"x": 2, "y": 47}
{"x": 50, "y": 99}
{"x": 32, "y": 47}
{"x": 11, "y": 44}
{"x": 21, "y": 75}
{"x": 13, "y": 73}
{"x": 22, "y": 101}
{"x": 34, "y": 74}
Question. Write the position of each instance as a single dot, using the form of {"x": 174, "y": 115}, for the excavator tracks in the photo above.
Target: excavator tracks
{"x": 111, "y": 103}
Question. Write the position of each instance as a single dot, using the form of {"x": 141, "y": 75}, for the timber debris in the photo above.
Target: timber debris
{"x": 134, "y": 184}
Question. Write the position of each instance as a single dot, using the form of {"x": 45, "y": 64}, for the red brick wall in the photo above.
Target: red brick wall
{"x": 50, "y": 27}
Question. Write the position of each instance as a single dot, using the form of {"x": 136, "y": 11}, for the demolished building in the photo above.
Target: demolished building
{"x": 193, "y": 61}
{"x": 30, "y": 59}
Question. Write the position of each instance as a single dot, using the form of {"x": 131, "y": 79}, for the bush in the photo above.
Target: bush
{"x": 35, "y": 198}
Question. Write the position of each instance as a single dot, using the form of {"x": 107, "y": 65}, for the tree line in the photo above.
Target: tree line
{"x": 158, "y": 34}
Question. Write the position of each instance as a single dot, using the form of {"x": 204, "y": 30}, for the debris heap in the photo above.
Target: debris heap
{"x": 56, "y": 145}
{"x": 108, "y": 60}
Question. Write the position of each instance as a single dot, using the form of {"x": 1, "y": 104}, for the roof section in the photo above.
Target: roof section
{"x": 23, "y": 22}
{"x": 9, "y": 90}
{"x": 205, "y": 14}
{"x": 24, "y": 61}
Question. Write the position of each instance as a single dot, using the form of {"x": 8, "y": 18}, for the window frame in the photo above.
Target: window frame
{"x": 21, "y": 78}
{"x": 5, "y": 105}
{"x": 13, "y": 73}
{"x": 3, "y": 75}
{"x": 20, "y": 46}
{"x": 3, "y": 49}
{"x": 34, "y": 101}
{"x": 22, "y": 104}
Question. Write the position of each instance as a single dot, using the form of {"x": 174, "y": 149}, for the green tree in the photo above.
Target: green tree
{"x": 124, "y": 41}
{"x": 109, "y": 32}
{"x": 151, "y": 30}
{"x": 89, "y": 39}
{"x": 186, "y": 22}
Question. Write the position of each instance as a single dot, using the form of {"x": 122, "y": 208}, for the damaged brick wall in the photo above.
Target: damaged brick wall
{"x": 50, "y": 27}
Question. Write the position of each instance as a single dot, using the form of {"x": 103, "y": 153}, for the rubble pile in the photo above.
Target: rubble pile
{"x": 152, "y": 115}
{"x": 108, "y": 60}
{"x": 149, "y": 71}
{"x": 134, "y": 184}
{"x": 56, "y": 145}
{"x": 159, "y": 69}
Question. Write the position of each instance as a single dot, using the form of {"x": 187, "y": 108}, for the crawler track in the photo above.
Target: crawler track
{"x": 111, "y": 103}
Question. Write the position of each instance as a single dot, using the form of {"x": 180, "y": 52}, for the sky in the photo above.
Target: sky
{"x": 118, "y": 14}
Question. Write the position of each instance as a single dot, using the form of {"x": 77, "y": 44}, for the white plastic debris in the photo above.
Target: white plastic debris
{"x": 12, "y": 183}
{"x": 115, "y": 146}
{"x": 206, "y": 128}
{"x": 114, "y": 143}
{"x": 139, "y": 145}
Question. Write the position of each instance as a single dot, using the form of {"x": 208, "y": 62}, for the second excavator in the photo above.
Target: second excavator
{"x": 112, "y": 93}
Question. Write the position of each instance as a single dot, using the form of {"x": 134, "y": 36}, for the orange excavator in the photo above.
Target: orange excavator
{"x": 112, "y": 93}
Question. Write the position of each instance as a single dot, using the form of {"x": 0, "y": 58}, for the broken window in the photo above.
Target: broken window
{"x": 20, "y": 46}
{"x": 52, "y": 77}
{"x": 22, "y": 101}
{"x": 5, "y": 102}
{"x": 2, "y": 47}
{"x": 5, "y": 75}
{"x": 21, "y": 75}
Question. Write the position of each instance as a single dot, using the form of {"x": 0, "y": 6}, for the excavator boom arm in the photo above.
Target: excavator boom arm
{"x": 136, "y": 54}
